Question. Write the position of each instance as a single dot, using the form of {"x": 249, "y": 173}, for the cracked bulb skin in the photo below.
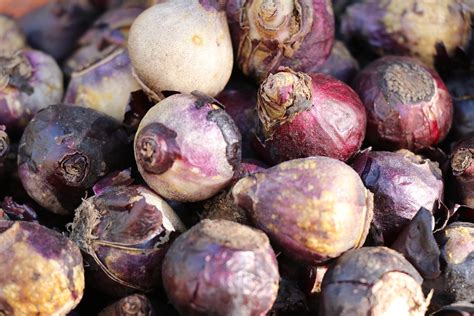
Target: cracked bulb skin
{"x": 132, "y": 229}
{"x": 30, "y": 80}
{"x": 182, "y": 46}
{"x": 314, "y": 208}
{"x": 188, "y": 148}
{"x": 305, "y": 115}
{"x": 41, "y": 270}
{"x": 372, "y": 281}
{"x": 407, "y": 104}
{"x": 401, "y": 182}
{"x": 268, "y": 34}
{"x": 219, "y": 267}
{"x": 65, "y": 150}
{"x": 417, "y": 28}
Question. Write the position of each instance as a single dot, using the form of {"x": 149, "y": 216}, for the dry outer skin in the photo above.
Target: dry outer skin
{"x": 105, "y": 86}
{"x": 187, "y": 148}
{"x": 402, "y": 182}
{"x": 372, "y": 281}
{"x": 29, "y": 81}
{"x": 309, "y": 115}
{"x": 221, "y": 268}
{"x": 181, "y": 45}
{"x": 125, "y": 231}
{"x": 408, "y": 105}
{"x": 416, "y": 28}
{"x": 268, "y": 34}
{"x": 314, "y": 208}
{"x": 41, "y": 271}
{"x": 108, "y": 33}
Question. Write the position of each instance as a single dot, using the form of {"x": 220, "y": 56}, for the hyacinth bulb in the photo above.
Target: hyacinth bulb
{"x": 314, "y": 208}
{"x": 418, "y": 28}
{"x": 181, "y": 46}
{"x": 268, "y": 34}
{"x": 188, "y": 148}
{"x": 29, "y": 81}
{"x": 408, "y": 106}
{"x": 305, "y": 115}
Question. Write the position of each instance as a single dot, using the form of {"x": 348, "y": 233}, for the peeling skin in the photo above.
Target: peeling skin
{"x": 456, "y": 282}
{"x": 221, "y": 268}
{"x": 463, "y": 170}
{"x": 208, "y": 142}
{"x": 125, "y": 231}
{"x": 309, "y": 115}
{"x": 36, "y": 279}
{"x": 109, "y": 33}
{"x": 11, "y": 37}
{"x": 34, "y": 83}
{"x": 293, "y": 33}
{"x": 314, "y": 208}
{"x": 372, "y": 281}
{"x": 402, "y": 182}
{"x": 104, "y": 86}
{"x": 409, "y": 27}
{"x": 410, "y": 111}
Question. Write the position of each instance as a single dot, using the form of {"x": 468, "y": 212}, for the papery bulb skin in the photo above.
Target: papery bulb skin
{"x": 188, "y": 148}
{"x": 268, "y": 34}
{"x": 181, "y": 46}
{"x": 372, "y": 280}
{"x": 308, "y": 115}
{"x": 417, "y": 28}
{"x": 132, "y": 228}
{"x": 41, "y": 270}
{"x": 402, "y": 182}
{"x": 65, "y": 150}
{"x": 108, "y": 33}
{"x": 220, "y": 267}
{"x": 11, "y": 36}
{"x": 30, "y": 80}
{"x": 408, "y": 106}
{"x": 105, "y": 86}
{"x": 314, "y": 208}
